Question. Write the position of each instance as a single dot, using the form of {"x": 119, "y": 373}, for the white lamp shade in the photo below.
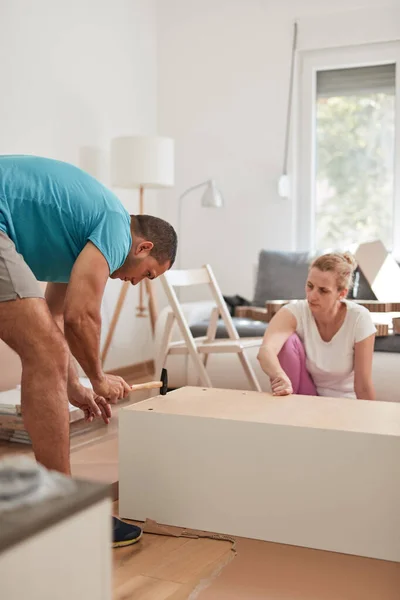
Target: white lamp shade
{"x": 142, "y": 161}
{"x": 212, "y": 197}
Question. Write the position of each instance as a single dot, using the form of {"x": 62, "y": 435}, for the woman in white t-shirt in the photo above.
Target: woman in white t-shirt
{"x": 322, "y": 346}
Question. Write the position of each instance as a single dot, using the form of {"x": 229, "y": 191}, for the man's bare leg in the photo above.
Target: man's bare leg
{"x": 27, "y": 327}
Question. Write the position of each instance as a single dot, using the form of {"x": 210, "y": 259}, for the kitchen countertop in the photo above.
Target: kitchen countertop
{"x": 22, "y": 523}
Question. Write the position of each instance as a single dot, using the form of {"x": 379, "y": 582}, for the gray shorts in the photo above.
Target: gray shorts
{"x": 16, "y": 278}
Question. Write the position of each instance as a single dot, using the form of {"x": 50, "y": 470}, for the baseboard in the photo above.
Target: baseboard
{"x": 135, "y": 371}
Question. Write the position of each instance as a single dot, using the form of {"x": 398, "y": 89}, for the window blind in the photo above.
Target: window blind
{"x": 357, "y": 81}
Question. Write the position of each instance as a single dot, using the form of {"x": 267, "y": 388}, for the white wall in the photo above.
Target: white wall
{"x": 223, "y": 79}
{"x": 75, "y": 73}
{"x": 213, "y": 74}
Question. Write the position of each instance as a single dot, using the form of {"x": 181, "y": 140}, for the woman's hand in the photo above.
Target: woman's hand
{"x": 281, "y": 385}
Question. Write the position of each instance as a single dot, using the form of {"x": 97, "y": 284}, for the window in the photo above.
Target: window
{"x": 355, "y": 116}
{"x": 348, "y": 153}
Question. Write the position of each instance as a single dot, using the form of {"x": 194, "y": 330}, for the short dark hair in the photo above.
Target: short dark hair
{"x": 161, "y": 233}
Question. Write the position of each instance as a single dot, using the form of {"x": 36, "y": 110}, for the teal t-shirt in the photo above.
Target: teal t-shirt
{"x": 51, "y": 209}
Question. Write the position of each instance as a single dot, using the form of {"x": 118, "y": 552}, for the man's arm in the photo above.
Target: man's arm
{"x": 55, "y": 298}
{"x": 80, "y": 396}
{"x": 82, "y": 320}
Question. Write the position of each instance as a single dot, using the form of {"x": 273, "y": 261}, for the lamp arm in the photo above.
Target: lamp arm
{"x": 194, "y": 187}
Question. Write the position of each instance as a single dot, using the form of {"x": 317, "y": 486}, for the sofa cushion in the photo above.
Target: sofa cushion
{"x": 245, "y": 328}
{"x": 387, "y": 343}
{"x": 281, "y": 276}
{"x": 250, "y": 328}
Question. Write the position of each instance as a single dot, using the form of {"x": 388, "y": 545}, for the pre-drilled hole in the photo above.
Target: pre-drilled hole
{"x": 150, "y": 409}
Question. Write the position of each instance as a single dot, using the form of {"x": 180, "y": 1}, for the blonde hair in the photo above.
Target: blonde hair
{"x": 341, "y": 264}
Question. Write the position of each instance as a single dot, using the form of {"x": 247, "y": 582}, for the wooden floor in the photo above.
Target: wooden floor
{"x": 170, "y": 568}
{"x": 167, "y": 567}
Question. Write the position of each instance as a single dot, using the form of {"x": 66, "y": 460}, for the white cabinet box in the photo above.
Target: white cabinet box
{"x": 322, "y": 473}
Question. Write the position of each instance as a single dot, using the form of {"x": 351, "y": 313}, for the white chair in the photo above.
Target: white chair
{"x": 200, "y": 348}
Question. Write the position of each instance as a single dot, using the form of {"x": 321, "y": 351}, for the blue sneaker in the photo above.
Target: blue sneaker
{"x": 125, "y": 534}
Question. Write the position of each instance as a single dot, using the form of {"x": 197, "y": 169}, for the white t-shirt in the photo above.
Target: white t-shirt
{"x": 331, "y": 364}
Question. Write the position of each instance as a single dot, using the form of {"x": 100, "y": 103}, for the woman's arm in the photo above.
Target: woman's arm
{"x": 280, "y": 328}
{"x": 363, "y": 354}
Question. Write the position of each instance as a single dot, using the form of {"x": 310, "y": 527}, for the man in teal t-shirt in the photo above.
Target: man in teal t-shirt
{"x": 60, "y": 225}
{"x": 50, "y": 210}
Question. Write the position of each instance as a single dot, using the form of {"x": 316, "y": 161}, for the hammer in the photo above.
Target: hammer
{"x": 151, "y": 385}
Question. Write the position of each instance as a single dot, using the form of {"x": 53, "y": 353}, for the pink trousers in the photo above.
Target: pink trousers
{"x": 292, "y": 358}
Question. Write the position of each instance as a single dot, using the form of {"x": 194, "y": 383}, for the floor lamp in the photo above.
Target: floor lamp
{"x": 211, "y": 198}
{"x": 139, "y": 162}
